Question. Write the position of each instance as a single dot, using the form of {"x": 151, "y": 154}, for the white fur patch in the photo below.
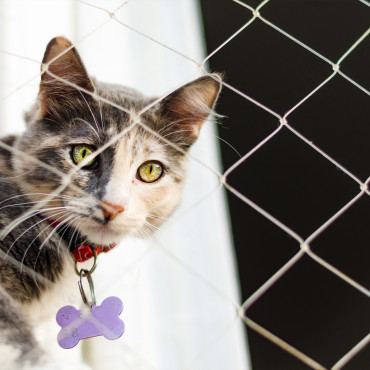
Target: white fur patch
{"x": 8, "y": 356}
{"x": 63, "y": 292}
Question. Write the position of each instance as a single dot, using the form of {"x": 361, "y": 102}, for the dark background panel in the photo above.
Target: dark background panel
{"x": 355, "y": 64}
{"x": 309, "y": 307}
{"x": 294, "y": 183}
{"x": 318, "y": 314}
{"x": 345, "y": 243}
{"x": 330, "y": 27}
{"x": 335, "y": 119}
{"x": 264, "y": 67}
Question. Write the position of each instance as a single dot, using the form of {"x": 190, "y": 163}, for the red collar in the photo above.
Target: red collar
{"x": 83, "y": 252}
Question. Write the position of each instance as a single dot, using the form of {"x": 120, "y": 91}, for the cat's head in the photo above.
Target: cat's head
{"x": 135, "y": 183}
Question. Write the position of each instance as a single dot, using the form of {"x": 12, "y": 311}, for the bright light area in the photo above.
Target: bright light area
{"x": 179, "y": 289}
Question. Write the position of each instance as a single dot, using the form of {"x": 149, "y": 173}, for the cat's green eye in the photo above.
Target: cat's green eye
{"x": 150, "y": 171}
{"x": 80, "y": 152}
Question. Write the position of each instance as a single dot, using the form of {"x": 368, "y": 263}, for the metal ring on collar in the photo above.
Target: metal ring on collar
{"x": 91, "y": 285}
{"x": 84, "y": 272}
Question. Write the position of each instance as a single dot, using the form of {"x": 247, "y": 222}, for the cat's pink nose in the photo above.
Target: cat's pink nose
{"x": 110, "y": 211}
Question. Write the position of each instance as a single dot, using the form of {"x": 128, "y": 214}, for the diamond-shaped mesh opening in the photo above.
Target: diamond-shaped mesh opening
{"x": 250, "y": 125}
{"x": 282, "y": 62}
{"x": 296, "y": 185}
{"x": 343, "y": 244}
{"x": 264, "y": 247}
{"x": 331, "y": 310}
{"x": 352, "y": 65}
{"x": 357, "y": 362}
{"x": 277, "y": 359}
{"x": 336, "y": 118}
{"x": 308, "y": 22}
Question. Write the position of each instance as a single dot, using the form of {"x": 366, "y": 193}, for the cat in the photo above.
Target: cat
{"x": 58, "y": 189}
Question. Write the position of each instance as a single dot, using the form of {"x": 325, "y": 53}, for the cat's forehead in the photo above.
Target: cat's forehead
{"x": 121, "y": 107}
{"x": 140, "y": 145}
{"x": 122, "y": 96}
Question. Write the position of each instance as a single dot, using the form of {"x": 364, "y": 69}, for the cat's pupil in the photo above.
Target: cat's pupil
{"x": 151, "y": 169}
{"x": 84, "y": 153}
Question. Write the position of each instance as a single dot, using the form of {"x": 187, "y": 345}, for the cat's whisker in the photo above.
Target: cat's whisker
{"x": 15, "y": 176}
{"x": 151, "y": 226}
{"x": 156, "y": 216}
{"x": 227, "y": 143}
{"x": 33, "y": 202}
{"x": 101, "y": 114}
{"x": 51, "y": 120}
{"x": 28, "y": 229}
{"x": 177, "y": 143}
{"x": 92, "y": 114}
{"x": 140, "y": 233}
{"x": 61, "y": 226}
{"x": 176, "y": 133}
{"x": 168, "y": 125}
{"x": 89, "y": 125}
{"x": 23, "y": 204}
{"x": 6, "y": 230}
{"x": 74, "y": 232}
{"x": 40, "y": 232}
{"x": 29, "y": 245}
{"x": 25, "y": 195}
{"x": 90, "y": 110}
{"x": 45, "y": 241}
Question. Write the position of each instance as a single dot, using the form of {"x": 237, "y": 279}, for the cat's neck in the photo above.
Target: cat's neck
{"x": 81, "y": 248}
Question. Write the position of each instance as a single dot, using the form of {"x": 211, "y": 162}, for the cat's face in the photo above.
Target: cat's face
{"x": 135, "y": 183}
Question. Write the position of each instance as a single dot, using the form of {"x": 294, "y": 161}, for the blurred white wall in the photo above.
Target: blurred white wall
{"x": 178, "y": 288}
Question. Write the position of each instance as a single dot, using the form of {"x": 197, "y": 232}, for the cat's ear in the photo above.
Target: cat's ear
{"x": 185, "y": 110}
{"x": 61, "y": 67}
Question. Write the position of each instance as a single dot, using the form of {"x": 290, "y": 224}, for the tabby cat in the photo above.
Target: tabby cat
{"x": 84, "y": 171}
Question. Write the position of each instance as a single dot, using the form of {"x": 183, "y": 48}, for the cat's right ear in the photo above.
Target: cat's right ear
{"x": 186, "y": 109}
{"x": 62, "y": 73}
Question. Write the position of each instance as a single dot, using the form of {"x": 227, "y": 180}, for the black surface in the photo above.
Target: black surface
{"x": 309, "y": 307}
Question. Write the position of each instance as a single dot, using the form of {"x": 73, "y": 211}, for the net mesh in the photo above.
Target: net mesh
{"x": 304, "y": 244}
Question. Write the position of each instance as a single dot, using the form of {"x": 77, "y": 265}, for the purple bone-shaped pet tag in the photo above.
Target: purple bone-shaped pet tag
{"x": 81, "y": 324}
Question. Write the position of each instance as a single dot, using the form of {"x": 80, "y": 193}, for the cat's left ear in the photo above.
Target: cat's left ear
{"x": 185, "y": 110}
{"x": 64, "y": 71}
